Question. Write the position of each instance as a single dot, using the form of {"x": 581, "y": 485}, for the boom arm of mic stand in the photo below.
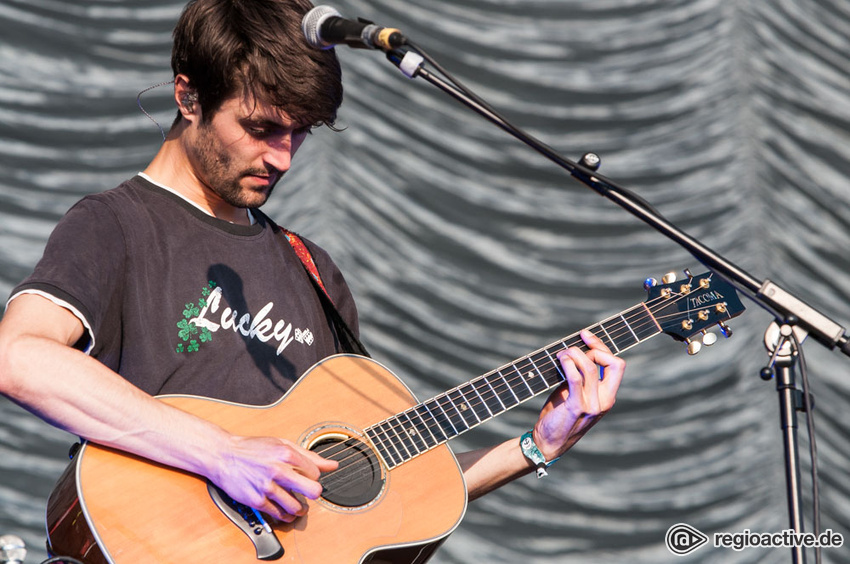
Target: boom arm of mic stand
{"x": 781, "y": 304}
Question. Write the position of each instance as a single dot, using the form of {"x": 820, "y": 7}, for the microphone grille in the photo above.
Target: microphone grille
{"x": 312, "y": 23}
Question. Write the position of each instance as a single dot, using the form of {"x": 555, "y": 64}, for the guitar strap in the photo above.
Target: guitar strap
{"x": 350, "y": 342}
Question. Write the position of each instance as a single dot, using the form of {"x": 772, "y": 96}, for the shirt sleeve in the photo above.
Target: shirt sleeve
{"x": 82, "y": 269}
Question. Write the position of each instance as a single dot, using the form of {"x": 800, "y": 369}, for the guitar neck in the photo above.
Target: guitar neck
{"x": 442, "y": 418}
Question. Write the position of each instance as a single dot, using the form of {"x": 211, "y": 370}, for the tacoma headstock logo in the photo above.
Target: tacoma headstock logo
{"x": 705, "y": 298}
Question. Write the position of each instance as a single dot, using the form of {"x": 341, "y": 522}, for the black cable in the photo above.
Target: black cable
{"x": 813, "y": 450}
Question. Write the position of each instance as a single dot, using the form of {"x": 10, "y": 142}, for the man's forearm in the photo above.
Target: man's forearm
{"x": 489, "y": 468}
{"x": 80, "y": 395}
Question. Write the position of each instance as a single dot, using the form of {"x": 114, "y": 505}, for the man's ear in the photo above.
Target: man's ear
{"x": 186, "y": 97}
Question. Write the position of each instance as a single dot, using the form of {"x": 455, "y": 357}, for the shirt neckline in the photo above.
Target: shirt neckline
{"x": 202, "y": 215}
{"x": 144, "y": 175}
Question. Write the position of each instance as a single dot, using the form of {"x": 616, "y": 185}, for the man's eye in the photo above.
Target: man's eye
{"x": 258, "y": 131}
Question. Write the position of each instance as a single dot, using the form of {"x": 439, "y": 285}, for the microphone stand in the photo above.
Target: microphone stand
{"x": 791, "y": 313}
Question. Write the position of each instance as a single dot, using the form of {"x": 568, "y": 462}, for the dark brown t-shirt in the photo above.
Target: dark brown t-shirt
{"x": 177, "y": 301}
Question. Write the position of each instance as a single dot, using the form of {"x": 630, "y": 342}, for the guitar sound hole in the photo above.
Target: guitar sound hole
{"x": 358, "y": 480}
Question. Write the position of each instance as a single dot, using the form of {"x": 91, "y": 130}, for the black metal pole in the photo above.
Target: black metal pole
{"x": 784, "y": 357}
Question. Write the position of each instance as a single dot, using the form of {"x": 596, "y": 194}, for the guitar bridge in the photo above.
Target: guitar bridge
{"x": 267, "y": 545}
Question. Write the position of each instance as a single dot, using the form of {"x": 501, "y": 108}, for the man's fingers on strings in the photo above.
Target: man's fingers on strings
{"x": 592, "y": 341}
{"x": 579, "y": 367}
{"x": 287, "y": 503}
{"x": 323, "y": 464}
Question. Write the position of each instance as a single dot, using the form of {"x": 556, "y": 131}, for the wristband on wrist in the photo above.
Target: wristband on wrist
{"x": 531, "y": 452}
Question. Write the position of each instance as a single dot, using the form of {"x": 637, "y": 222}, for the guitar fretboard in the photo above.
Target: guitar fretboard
{"x": 442, "y": 418}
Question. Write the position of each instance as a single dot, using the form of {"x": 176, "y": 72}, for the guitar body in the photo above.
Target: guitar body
{"x": 110, "y": 507}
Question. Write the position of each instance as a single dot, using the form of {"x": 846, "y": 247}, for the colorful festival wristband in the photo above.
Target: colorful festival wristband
{"x": 531, "y": 452}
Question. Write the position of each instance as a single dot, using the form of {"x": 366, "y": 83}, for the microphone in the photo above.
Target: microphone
{"x": 324, "y": 27}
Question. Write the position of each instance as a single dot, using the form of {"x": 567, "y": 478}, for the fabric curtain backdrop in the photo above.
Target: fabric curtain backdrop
{"x": 466, "y": 250}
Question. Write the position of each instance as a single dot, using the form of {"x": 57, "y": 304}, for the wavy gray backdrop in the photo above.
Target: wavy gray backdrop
{"x": 466, "y": 250}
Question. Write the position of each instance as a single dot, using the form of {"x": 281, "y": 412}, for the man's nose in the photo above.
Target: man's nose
{"x": 279, "y": 153}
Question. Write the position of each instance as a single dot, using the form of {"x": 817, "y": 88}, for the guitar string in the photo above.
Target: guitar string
{"x": 394, "y": 427}
{"x": 413, "y": 443}
{"x": 637, "y": 312}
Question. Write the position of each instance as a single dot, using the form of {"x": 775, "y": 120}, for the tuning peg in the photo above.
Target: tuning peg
{"x": 725, "y": 329}
{"x": 649, "y": 283}
{"x": 708, "y": 338}
{"x": 694, "y": 346}
{"x": 591, "y": 161}
{"x": 669, "y": 278}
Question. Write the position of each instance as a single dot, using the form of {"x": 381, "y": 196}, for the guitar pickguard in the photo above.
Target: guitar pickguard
{"x": 249, "y": 522}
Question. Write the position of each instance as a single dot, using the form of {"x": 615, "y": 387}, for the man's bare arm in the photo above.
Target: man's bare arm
{"x": 41, "y": 371}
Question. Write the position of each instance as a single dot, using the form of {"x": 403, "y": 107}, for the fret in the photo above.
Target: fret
{"x": 395, "y": 453}
{"x": 491, "y": 402}
{"x": 424, "y": 428}
{"x": 453, "y": 415}
{"x": 539, "y": 373}
{"x": 498, "y": 404}
{"x": 381, "y": 448}
{"x": 391, "y": 428}
{"x": 463, "y": 409}
{"x": 501, "y": 391}
{"x": 566, "y": 346}
{"x": 415, "y": 433}
{"x": 557, "y": 364}
{"x": 504, "y": 390}
{"x": 551, "y": 380}
{"x": 632, "y": 331}
{"x": 625, "y": 337}
{"x": 391, "y": 431}
{"x": 606, "y": 338}
{"x": 495, "y": 395}
{"x": 534, "y": 380}
{"x": 644, "y": 325}
{"x": 406, "y": 439}
{"x": 521, "y": 388}
{"x": 438, "y": 417}
{"x": 445, "y": 417}
{"x": 477, "y": 403}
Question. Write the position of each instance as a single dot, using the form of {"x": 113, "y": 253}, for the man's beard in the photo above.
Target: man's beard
{"x": 220, "y": 175}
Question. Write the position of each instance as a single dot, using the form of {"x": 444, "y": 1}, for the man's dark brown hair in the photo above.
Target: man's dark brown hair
{"x": 256, "y": 46}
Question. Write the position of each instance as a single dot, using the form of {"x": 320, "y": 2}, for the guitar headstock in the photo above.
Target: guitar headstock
{"x": 685, "y": 309}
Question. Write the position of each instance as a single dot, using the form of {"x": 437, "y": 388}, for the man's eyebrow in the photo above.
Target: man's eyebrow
{"x": 260, "y": 120}
{"x": 273, "y": 122}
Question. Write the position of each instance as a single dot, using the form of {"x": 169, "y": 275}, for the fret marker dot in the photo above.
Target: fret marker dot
{"x": 411, "y": 432}
{"x": 463, "y": 407}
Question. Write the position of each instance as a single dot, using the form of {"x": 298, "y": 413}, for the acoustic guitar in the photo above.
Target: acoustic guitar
{"x": 398, "y": 492}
